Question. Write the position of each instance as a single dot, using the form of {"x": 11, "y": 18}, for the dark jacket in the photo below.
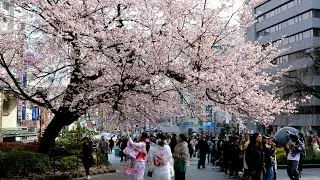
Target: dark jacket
{"x": 173, "y": 144}
{"x": 269, "y": 153}
{"x": 111, "y": 143}
{"x": 255, "y": 158}
{"x": 202, "y": 146}
{"x": 227, "y": 150}
{"x": 235, "y": 153}
{"x": 87, "y": 153}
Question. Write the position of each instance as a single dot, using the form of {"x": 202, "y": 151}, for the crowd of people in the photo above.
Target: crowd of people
{"x": 252, "y": 156}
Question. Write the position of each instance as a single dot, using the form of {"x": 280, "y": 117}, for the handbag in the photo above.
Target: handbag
{"x": 180, "y": 166}
{"x": 150, "y": 173}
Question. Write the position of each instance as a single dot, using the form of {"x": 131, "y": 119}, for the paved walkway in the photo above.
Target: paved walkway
{"x": 195, "y": 174}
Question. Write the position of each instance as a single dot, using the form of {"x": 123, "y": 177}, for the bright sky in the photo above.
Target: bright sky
{"x": 237, "y": 4}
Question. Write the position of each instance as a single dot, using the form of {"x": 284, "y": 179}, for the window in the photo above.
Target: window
{"x": 271, "y": 13}
{"x": 306, "y": 34}
{"x": 292, "y": 39}
{"x": 272, "y": 29}
{"x": 279, "y": 9}
{"x": 306, "y": 15}
{"x": 316, "y": 32}
{"x": 284, "y": 24}
{"x": 267, "y": 31}
{"x": 290, "y": 22}
{"x": 5, "y": 6}
{"x": 284, "y": 7}
{"x": 298, "y": 37}
{"x": 290, "y": 4}
{"x": 285, "y": 58}
{"x": 316, "y": 13}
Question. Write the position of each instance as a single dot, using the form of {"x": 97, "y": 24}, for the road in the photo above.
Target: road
{"x": 195, "y": 174}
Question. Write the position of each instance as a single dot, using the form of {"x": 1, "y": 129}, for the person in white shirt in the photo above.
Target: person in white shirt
{"x": 161, "y": 161}
{"x": 293, "y": 149}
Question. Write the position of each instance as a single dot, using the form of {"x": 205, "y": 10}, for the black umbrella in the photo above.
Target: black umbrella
{"x": 282, "y": 135}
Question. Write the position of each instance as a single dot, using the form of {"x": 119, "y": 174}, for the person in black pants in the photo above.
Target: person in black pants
{"x": 87, "y": 155}
{"x": 122, "y": 144}
{"x": 235, "y": 156}
{"x": 111, "y": 144}
{"x": 203, "y": 149}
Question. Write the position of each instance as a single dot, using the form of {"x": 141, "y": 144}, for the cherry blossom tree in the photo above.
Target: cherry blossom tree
{"x": 139, "y": 59}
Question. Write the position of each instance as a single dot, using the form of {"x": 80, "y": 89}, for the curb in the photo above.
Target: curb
{"x": 306, "y": 166}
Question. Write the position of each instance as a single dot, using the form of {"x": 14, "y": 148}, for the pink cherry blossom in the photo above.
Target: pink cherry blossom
{"x": 138, "y": 60}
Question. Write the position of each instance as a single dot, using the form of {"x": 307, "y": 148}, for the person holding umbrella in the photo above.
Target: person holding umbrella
{"x": 294, "y": 149}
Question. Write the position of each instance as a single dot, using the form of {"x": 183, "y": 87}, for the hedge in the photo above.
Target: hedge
{"x": 68, "y": 163}
{"x": 21, "y": 163}
{"x": 310, "y": 158}
{"x": 18, "y": 146}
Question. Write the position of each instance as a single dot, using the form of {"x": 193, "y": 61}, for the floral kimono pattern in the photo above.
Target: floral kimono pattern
{"x": 139, "y": 163}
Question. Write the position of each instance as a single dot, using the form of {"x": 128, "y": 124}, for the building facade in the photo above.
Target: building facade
{"x": 295, "y": 24}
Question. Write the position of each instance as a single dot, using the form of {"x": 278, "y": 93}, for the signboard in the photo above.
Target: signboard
{"x": 35, "y": 113}
{"x": 29, "y": 123}
{"x": 185, "y": 124}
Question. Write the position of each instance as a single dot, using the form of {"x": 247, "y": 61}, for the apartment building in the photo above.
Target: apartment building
{"x": 297, "y": 24}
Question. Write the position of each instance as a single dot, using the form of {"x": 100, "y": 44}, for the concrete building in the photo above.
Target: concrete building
{"x": 298, "y": 23}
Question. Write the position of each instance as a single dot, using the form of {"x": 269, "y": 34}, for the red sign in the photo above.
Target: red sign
{"x": 29, "y": 123}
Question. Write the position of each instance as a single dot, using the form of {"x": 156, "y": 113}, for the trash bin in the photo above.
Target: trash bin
{"x": 116, "y": 152}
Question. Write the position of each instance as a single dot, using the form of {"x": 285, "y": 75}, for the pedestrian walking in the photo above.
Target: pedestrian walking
{"x": 87, "y": 155}
{"x": 254, "y": 157}
{"x": 293, "y": 148}
{"x": 235, "y": 156}
{"x": 243, "y": 146}
{"x": 160, "y": 158}
{"x": 122, "y": 145}
{"x": 103, "y": 148}
{"x": 173, "y": 142}
{"x": 181, "y": 157}
{"x": 111, "y": 144}
{"x": 138, "y": 163}
{"x": 203, "y": 149}
{"x": 269, "y": 150}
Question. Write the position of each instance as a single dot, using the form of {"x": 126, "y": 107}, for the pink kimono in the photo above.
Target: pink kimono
{"x": 138, "y": 163}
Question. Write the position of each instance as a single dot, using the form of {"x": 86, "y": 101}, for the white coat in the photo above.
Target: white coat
{"x": 164, "y": 172}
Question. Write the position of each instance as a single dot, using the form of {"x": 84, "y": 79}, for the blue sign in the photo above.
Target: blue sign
{"x": 35, "y": 113}
{"x": 185, "y": 124}
{"x": 25, "y": 80}
{"x": 24, "y": 113}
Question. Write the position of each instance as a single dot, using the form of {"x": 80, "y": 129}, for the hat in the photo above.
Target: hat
{"x": 266, "y": 137}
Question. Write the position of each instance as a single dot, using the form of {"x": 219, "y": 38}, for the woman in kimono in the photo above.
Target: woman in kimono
{"x": 160, "y": 158}
{"x": 139, "y": 163}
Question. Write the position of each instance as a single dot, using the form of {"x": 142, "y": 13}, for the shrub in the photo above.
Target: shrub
{"x": 21, "y": 163}
{"x": 310, "y": 158}
{"x": 65, "y": 152}
{"x": 68, "y": 163}
{"x": 280, "y": 150}
{"x": 281, "y": 158}
{"x": 18, "y": 146}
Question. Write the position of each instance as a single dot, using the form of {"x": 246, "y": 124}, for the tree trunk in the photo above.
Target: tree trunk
{"x": 57, "y": 123}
